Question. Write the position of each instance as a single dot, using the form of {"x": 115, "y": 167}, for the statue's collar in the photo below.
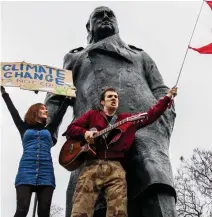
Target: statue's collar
{"x": 112, "y": 45}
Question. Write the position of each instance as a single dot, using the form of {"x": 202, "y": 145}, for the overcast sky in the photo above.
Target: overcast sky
{"x": 43, "y": 32}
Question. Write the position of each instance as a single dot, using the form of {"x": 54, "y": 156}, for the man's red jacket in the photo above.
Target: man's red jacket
{"x": 97, "y": 119}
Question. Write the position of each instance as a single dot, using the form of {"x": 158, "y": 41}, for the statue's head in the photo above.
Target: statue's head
{"x": 102, "y": 23}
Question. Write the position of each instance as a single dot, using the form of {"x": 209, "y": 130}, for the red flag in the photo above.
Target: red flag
{"x": 207, "y": 49}
{"x": 209, "y": 3}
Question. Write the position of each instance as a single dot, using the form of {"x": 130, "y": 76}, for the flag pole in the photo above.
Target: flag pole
{"x": 189, "y": 44}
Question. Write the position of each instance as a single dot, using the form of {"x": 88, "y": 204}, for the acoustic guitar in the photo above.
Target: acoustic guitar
{"x": 74, "y": 153}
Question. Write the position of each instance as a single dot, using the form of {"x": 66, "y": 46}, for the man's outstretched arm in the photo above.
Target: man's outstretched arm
{"x": 159, "y": 108}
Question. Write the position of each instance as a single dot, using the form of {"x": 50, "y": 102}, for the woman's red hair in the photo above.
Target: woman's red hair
{"x": 32, "y": 114}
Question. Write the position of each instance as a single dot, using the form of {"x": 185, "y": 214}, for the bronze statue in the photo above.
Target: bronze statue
{"x": 109, "y": 62}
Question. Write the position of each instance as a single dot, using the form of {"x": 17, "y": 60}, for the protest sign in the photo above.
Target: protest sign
{"x": 37, "y": 77}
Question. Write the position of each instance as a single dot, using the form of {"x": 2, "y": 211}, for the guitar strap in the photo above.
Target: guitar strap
{"x": 112, "y": 121}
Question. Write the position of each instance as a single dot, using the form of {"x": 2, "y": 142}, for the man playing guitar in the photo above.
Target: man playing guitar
{"x": 106, "y": 172}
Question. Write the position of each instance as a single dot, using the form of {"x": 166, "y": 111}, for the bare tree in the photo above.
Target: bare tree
{"x": 56, "y": 211}
{"x": 193, "y": 184}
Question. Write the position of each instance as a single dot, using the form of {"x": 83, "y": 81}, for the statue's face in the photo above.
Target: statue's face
{"x": 103, "y": 22}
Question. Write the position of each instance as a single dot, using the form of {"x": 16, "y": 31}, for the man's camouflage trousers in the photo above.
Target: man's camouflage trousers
{"x": 96, "y": 176}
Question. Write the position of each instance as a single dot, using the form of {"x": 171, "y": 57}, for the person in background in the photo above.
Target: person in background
{"x": 35, "y": 172}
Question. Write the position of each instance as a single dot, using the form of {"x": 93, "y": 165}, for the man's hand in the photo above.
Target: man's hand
{"x": 172, "y": 92}
{"x": 3, "y": 90}
{"x": 89, "y": 136}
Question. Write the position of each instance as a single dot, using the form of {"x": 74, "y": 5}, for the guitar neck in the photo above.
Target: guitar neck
{"x": 108, "y": 129}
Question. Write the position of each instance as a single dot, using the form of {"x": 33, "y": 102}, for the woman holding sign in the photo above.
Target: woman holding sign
{"x": 36, "y": 172}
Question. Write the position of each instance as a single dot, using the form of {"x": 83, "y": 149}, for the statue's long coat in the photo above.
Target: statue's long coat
{"x": 134, "y": 75}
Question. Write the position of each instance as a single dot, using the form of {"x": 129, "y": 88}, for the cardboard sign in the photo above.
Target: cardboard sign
{"x": 37, "y": 77}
